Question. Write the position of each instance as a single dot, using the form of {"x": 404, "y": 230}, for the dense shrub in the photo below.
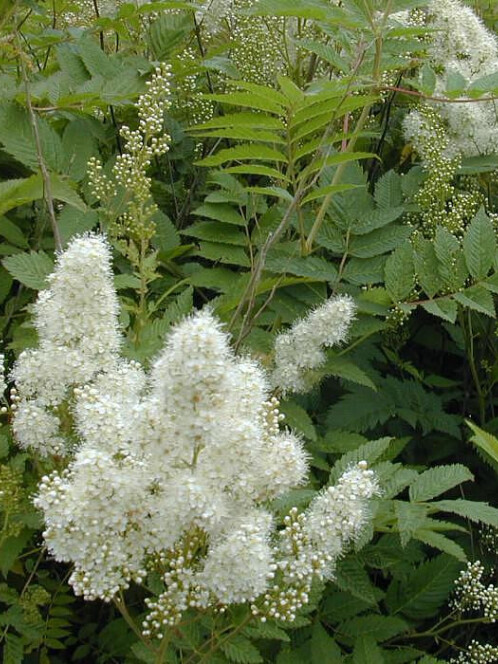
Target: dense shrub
{"x": 249, "y": 260}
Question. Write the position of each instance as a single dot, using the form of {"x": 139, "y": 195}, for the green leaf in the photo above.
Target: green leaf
{"x": 16, "y": 135}
{"x": 216, "y": 232}
{"x": 370, "y": 452}
{"x": 365, "y": 271}
{"x": 441, "y": 542}
{"x": 14, "y": 193}
{"x": 370, "y": 220}
{"x": 297, "y": 418}
{"x": 486, "y": 444}
{"x": 400, "y": 272}
{"x": 166, "y": 33}
{"x": 30, "y": 269}
{"x": 78, "y": 146}
{"x": 455, "y": 84}
{"x": 366, "y": 651}
{"x": 473, "y": 510}
{"x": 223, "y": 212}
{"x": 348, "y": 370}
{"x": 72, "y": 221}
{"x": 329, "y": 189}
{"x": 438, "y": 480}
{"x": 477, "y": 298}
{"x": 324, "y": 649}
{"x": 243, "y": 119}
{"x": 428, "y": 79}
{"x": 240, "y": 650}
{"x": 256, "y": 169}
{"x": 243, "y": 153}
{"x": 448, "y": 250}
{"x": 425, "y": 590}
{"x": 64, "y": 190}
{"x": 442, "y": 308}
{"x": 410, "y": 517}
{"x": 426, "y": 267}
{"x": 266, "y": 630}
{"x": 12, "y": 233}
{"x": 487, "y": 83}
{"x": 361, "y": 410}
{"x": 96, "y": 61}
{"x": 166, "y": 237}
{"x": 310, "y": 266}
{"x": 248, "y": 100}
{"x": 224, "y": 253}
{"x": 479, "y": 245}
{"x": 379, "y": 241}
{"x": 352, "y": 577}
{"x": 388, "y": 192}
{"x": 481, "y": 164}
{"x": 336, "y": 159}
{"x": 14, "y": 650}
{"x": 380, "y": 628}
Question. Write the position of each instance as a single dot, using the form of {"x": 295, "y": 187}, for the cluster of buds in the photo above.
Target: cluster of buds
{"x": 129, "y": 172}
{"x": 472, "y": 594}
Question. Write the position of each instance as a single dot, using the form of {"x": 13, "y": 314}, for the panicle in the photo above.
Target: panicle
{"x": 240, "y": 564}
{"x": 477, "y": 653}
{"x": 76, "y": 319}
{"x": 459, "y": 44}
{"x": 97, "y": 515}
{"x": 337, "y": 515}
{"x": 300, "y": 349}
{"x": 174, "y": 469}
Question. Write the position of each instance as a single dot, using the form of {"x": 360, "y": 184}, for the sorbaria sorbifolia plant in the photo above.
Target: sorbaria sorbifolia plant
{"x": 173, "y": 470}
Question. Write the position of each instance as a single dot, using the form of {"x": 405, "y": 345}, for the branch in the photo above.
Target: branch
{"x": 47, "y": 187}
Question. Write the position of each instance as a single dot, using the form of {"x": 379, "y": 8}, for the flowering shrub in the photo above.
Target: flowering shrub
{"x": 249, "y": 357}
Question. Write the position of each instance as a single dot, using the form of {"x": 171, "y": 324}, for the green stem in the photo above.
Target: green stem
{"x": 336, "y": 179}
{"x": 442, "y": 630}
{"x": 121, "y": 607}
{"x": 469, "y": 346}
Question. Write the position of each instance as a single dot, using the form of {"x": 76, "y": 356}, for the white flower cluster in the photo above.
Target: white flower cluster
{"x": 174, "y": 469}
{"x": 76, "y": 321}
{"x": 473, "y": 595}
{"x": 477, "y": 653}
{"x": 301, "y": 348}
{"x": 460, "y": 45}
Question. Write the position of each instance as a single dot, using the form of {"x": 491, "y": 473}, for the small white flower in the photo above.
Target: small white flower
{"x": 301, "y": 348}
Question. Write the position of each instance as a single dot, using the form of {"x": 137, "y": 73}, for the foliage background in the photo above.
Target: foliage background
{"x": 287, "y": 179}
